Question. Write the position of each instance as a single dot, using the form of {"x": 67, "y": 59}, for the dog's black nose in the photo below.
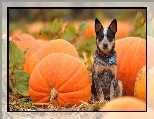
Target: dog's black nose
{"x": 105, "y": 45}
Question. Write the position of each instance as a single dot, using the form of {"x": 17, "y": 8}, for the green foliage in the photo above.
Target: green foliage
{"x": 18, "y": 78}
{"x": 150, "y": 23}
{"x": 24, "y": 103}
{"x": 69, "y": 32}
{"x": 51, "y": 31}
{"x": 21, "y": 84}
{"x": 85, "y": 46}
{"x": 82, "y": 26}
{"x": 139, "y": 29}
{"x": 76, "y": 37}
{"x": 16, "y": 57}
{"x": 17, "y": 25}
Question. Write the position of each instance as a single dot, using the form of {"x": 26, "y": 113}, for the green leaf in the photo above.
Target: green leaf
{"x": 51, "y": 31}
{"x": 69, "y": 32}
{"x": 21, "y": 82}
{"x": 16, "y": 56}
{"x": 139, "y": 30}
{"x": 82, "y": 26}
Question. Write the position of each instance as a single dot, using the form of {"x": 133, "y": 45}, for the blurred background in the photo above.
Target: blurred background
{"x": 47, "y": 15}
{"x": 76, "y": 25}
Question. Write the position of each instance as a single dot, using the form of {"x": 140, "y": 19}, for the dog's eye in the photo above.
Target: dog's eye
{"x": 110, "y": 37}
{"x": 102, "y": 36}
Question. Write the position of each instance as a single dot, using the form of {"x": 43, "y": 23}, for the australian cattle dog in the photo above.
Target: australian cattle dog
{"x": 105, "y": 86}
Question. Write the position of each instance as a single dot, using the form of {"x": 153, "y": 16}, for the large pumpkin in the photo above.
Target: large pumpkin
{"x": 140, "y": 84}
{"x": 53, "y": 46}
{"x": 150, "y": 52}
{"x": 131, "y": 57}
{"x": 23, "y": 41}
{"x": 60, "y": 79}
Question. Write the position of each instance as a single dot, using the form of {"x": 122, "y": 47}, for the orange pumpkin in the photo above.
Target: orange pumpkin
{"x": 60, "y": 79}
{"x": 140, "y": 84}
{"x": 24, "y": 41}
{"x": 89, "y": 31}
{"x": 53, "y": 46}
{"x": 42, "y": 42}
{"x": 150, "y": 52}
{"x": 131, "y": 57}
{"x": 123, "y": 29}
{"x": 126, "y": 103}
{"x": 35, "y": 27}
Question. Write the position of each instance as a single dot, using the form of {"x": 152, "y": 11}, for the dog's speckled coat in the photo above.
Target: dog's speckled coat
{"x": 105, "y": 86}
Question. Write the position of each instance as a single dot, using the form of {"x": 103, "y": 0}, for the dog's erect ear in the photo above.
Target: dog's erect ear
{"x": 98, "y": 25}
{"x": 113, "y": 26}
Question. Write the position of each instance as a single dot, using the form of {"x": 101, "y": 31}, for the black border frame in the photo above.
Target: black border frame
{"x": 67, "y": 8}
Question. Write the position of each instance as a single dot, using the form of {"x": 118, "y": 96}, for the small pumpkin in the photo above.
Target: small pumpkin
{"x": 150, "y": 87}
{"x": 23, "y": 41}
{"x": 140, "y": 84}
{"x": 53, "y": 46}
{"x": 126, "y": 103}
{"x": 131, "y": 57}
{"x": 60, "y": 79}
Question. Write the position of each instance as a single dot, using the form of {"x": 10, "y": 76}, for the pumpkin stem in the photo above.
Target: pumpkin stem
{"x": 53, "y": 94}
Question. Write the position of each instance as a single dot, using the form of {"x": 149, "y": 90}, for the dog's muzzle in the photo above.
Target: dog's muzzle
{"x": 105, "y": 46}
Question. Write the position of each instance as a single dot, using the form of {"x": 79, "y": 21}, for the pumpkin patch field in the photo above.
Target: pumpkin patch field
{"x": 50, "y": 66}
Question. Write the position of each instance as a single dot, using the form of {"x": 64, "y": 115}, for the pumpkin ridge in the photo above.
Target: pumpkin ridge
{"x": 132, "y": 69}
{"x": 66, "y": 96}
{"x": 75, "y": 90}
{"x": 42, "y": 99}
{"x": 70, "y": 77}
{"x": 44, "y": 78}
{"x": 134, "y": 55}
{"x": 80, "y": 86}
{"x": 77, "y": 85}
{"x": 127, "y": 50}
{"x": 123, "y": 44}
{"x": 61, "y": 100}
{"x": 59, "y": 68}
{"x": 67, "y": 99}
{"x": 34, "y": 77}
{"x": 46, "y": 94}
{"x": 121, "y": 60}
{"x": 39, "y": 73}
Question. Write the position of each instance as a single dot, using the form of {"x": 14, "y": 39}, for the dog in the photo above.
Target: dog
{"x": 105, "y": 86}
